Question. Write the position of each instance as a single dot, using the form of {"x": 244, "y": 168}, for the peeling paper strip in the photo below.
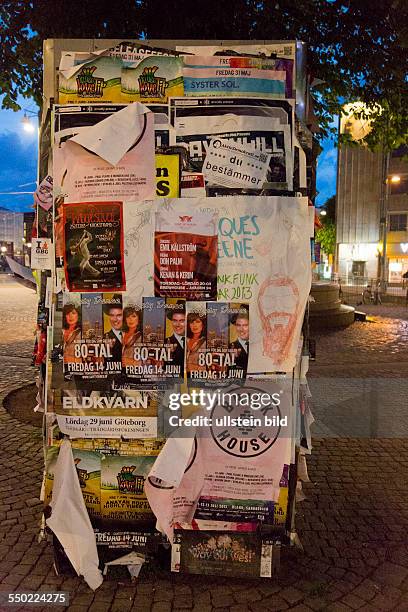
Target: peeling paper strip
{"x": 70, "y": 521}
{"x": 67, "y": 66}
{"x": 113, "y": 137}
{"x": 172, "y": 462}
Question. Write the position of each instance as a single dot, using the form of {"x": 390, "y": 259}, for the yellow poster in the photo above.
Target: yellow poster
{"x": 147, "y": 79}
{"x": 167, "y": 176}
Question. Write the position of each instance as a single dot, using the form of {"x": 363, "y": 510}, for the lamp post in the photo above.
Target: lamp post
{"x": 28, "y": 126}
{"x": 383, "y": 220}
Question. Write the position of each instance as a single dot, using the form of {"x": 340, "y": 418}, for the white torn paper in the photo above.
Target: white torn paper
{"x": 70, "y": 521}
{"x": 113, "y": 137}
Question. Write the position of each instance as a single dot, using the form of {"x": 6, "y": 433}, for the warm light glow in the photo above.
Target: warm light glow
{"x": 395, "y": 178}
{"x": 323, "y": 213}
{"x": 380, "y": 248}
{"x": 28, "y": 127}
{"x": 4, "y": 249}
{"x": 395, "y": 266}
{"x": 29, "y": 245}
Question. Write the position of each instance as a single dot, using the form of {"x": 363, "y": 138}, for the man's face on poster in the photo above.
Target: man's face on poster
{"x": 115, "y": 318}
{"x": 178, "y": 321}
{"x": 242, "y": 328}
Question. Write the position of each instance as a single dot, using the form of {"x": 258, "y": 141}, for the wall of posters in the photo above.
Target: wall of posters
{"x": 93, "y": 246}
{"x": 185, "y": 256}
{"x": 263, "y": 259}
{"x": 217, "y": 344}
{"x": 181, "y": 267}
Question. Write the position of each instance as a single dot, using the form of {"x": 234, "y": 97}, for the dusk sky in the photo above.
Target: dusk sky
{"x": 18, "y": 162}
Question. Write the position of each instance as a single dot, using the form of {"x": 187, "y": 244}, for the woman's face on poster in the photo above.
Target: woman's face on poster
{"x": 132, "y": 321}
{"x": 72, "y": 317}
{"x": 196, "y": 327}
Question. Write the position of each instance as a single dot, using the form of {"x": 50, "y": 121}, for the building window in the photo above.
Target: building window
{"x": 398, "y": 223}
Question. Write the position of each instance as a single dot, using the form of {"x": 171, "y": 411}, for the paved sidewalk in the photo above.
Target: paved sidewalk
{"x": 353, "y": 523}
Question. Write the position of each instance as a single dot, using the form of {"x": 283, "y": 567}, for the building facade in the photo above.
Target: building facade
{"x": 372, "y": 214}
{"x": 11, "y": 230}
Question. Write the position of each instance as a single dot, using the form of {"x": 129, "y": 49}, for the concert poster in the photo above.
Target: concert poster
{"x": 92, "y": 338}
{"x": 217, "y": 342}
{"x": 93, "y": 246}
{"x": 185, "y": 255}
{"x": 153, "y": 341}
{"x": 220, "y": 553}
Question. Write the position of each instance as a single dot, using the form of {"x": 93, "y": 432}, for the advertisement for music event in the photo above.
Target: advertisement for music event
{"x": 174, "y": 250}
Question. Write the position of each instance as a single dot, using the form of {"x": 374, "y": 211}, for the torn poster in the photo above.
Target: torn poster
{"x": 113, "y": 159}
{"x": 263, "y": 259}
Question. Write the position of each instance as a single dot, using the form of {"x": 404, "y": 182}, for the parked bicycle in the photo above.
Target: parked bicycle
{"x": 372, "y": 293}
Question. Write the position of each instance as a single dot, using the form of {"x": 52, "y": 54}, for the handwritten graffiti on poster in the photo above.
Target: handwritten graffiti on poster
{"x": 185, "y": 257}
{"x": 93, "y": 245}
{"x": 263, "y": 255}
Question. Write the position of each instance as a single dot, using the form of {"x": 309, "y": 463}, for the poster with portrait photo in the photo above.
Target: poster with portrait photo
{"x": 153, "y": 341}
{"x": 217, "y": 342}
{"x": 92, "y": 338}
{"x": 185, "y": 254}
{"x": 93, "y": 246}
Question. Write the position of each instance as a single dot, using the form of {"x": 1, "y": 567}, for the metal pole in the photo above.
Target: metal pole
{"x": 383, "y": 218}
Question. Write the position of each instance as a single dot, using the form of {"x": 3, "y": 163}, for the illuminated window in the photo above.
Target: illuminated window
{"x": 398, "y": 223}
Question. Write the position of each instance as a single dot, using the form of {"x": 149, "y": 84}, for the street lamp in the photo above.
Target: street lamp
{"x": 395, "y": 178}
{"x": 28, "y": 126}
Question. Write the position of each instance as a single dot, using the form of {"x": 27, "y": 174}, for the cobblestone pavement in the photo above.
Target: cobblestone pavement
{"x": 352, "y": 525}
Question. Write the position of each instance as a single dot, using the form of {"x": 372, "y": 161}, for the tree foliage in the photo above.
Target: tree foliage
{"x": 357, "y": 48}
{"x": 326, "y": 235}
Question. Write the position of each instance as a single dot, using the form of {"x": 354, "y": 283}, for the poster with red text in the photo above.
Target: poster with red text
{"x": 185, "y": 255}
